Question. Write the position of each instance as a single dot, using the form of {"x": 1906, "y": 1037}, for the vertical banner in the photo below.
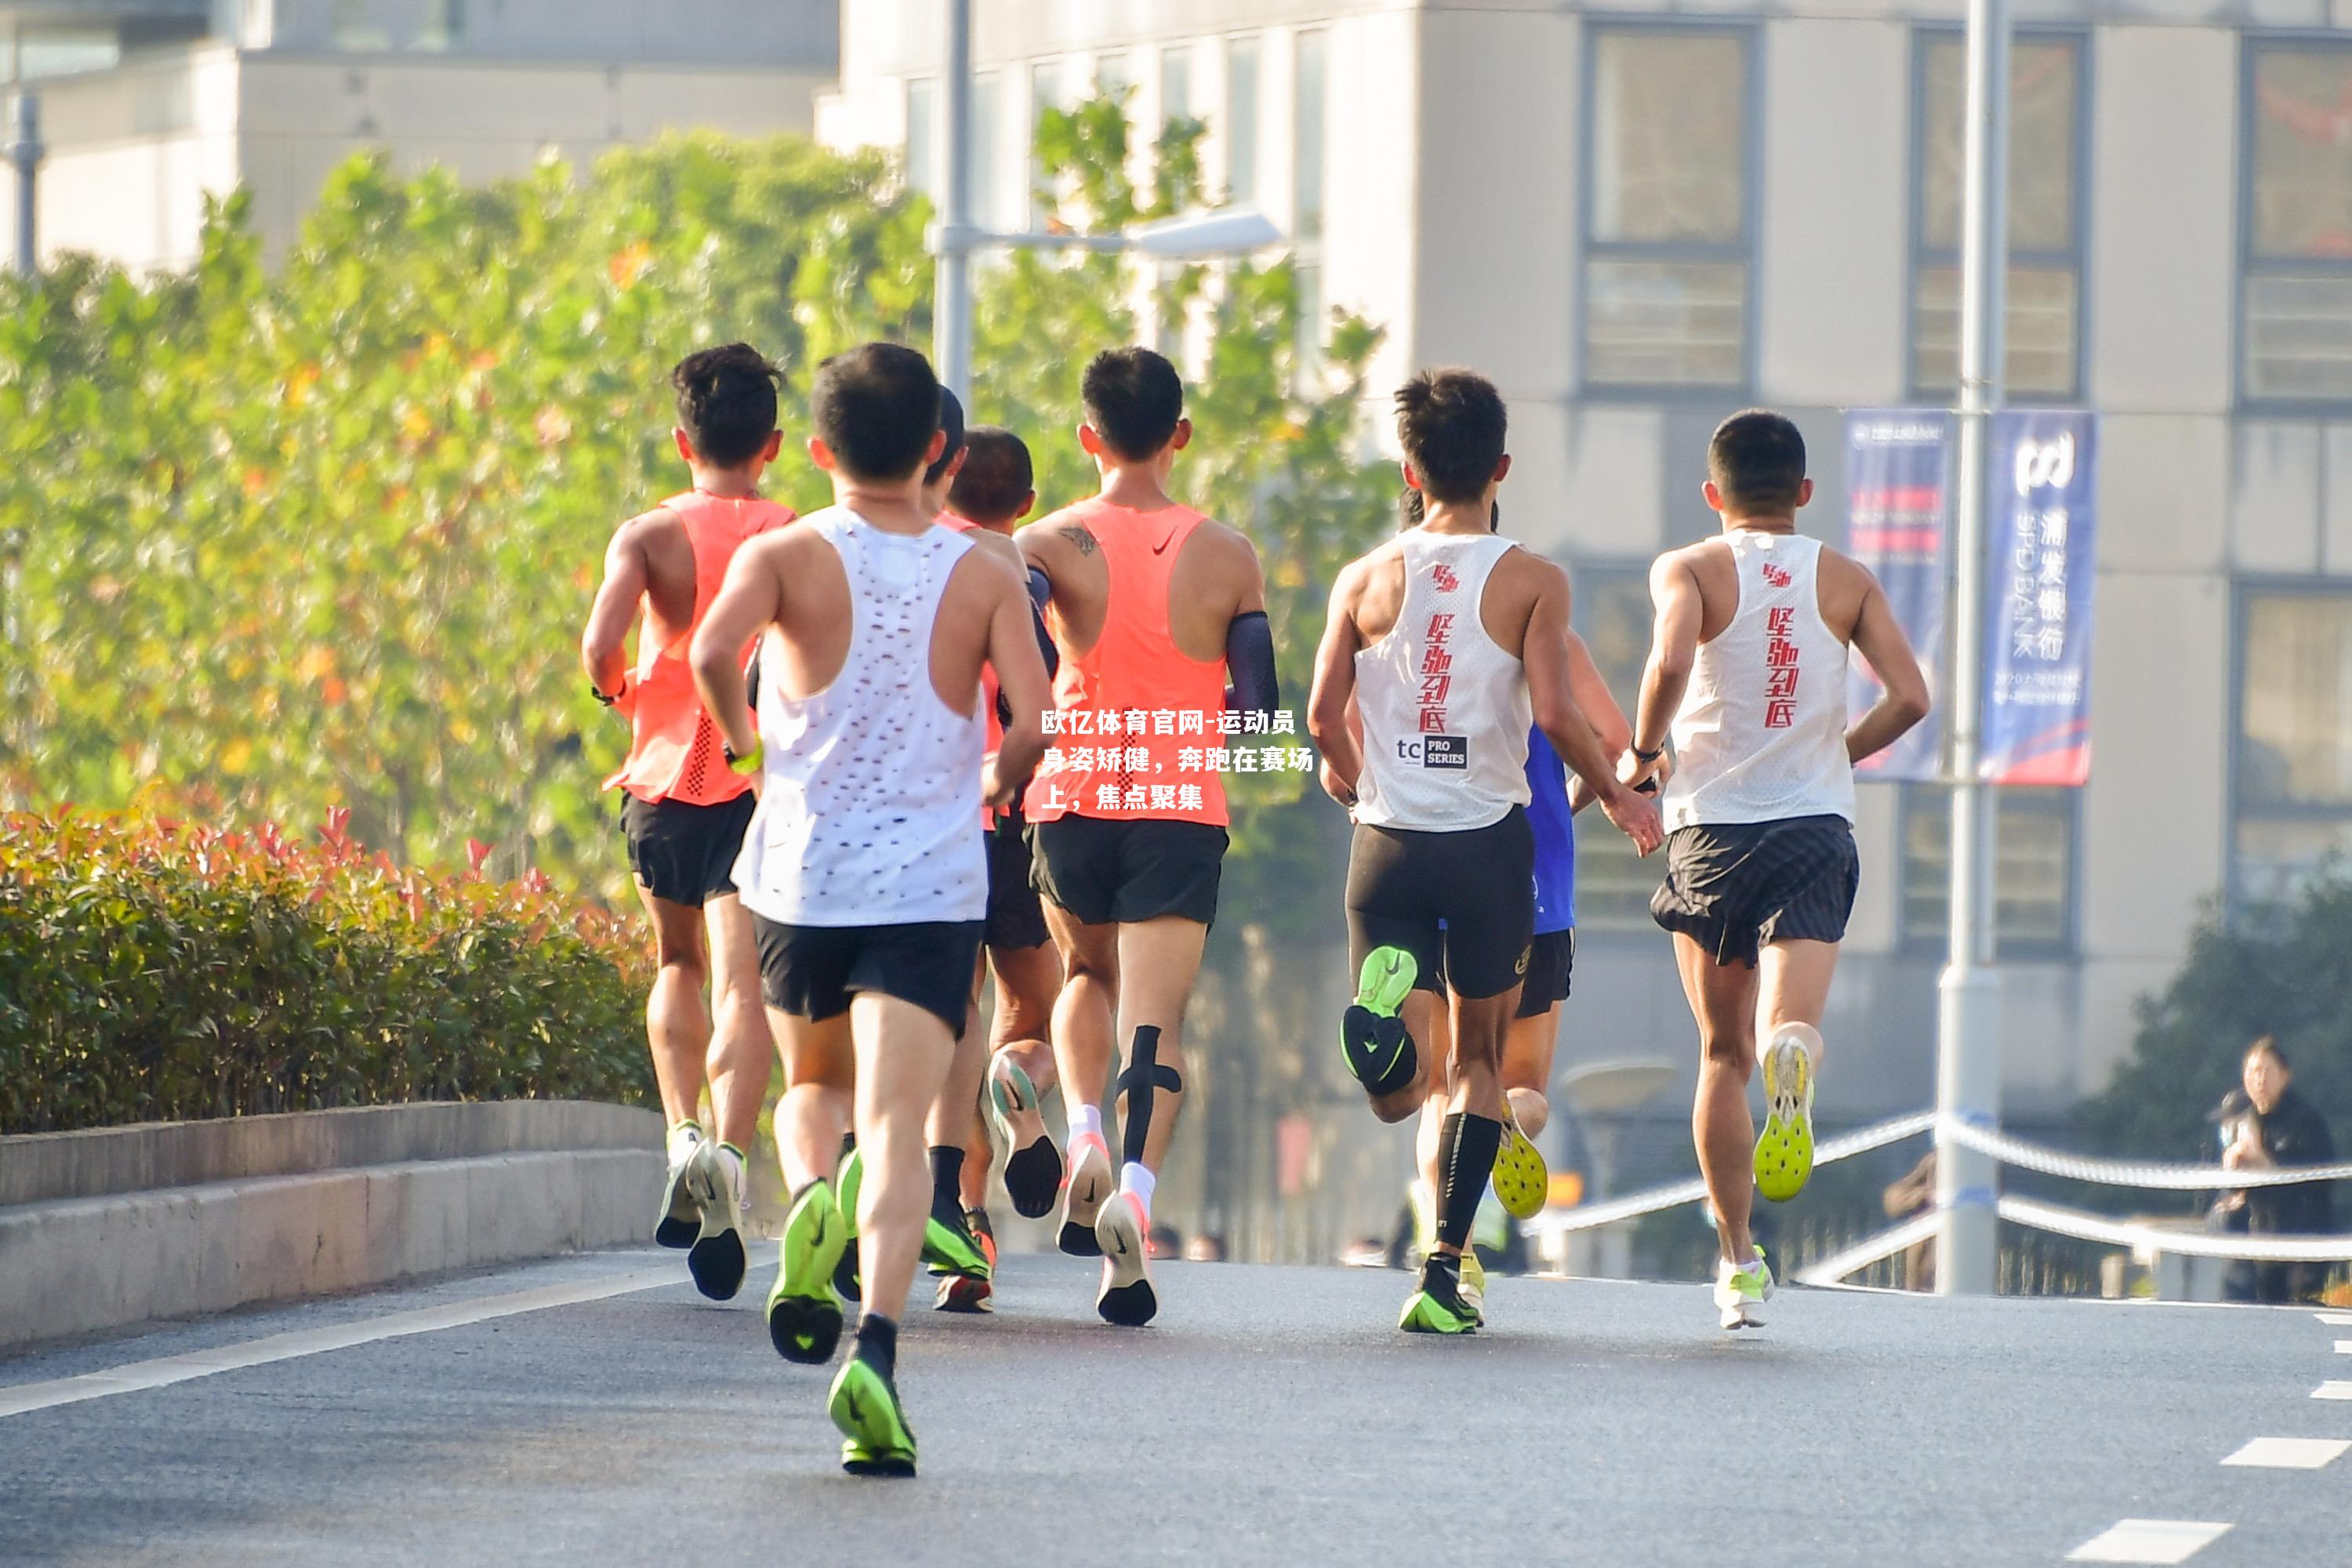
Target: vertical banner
{"x": 1897, "y": 481}
{"x": 2038, "y": 574}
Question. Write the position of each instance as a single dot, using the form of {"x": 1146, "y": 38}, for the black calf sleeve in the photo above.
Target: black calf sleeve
{"x": 1143, "y": 1076}
{"x": 1466, "y": 1146}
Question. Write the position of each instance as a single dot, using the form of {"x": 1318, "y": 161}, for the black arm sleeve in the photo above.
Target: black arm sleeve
{"x": 752, "y": 676}
{"x": 1249, "y": 659}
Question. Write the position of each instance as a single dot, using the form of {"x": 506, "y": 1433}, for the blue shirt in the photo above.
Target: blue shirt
{"x": 1554, "y": 831}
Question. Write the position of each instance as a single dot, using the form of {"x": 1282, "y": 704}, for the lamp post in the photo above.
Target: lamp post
{"x": 24, "y": 154}
{"x": 1968, "y": 1044}
{"x": 1228, "y": 231}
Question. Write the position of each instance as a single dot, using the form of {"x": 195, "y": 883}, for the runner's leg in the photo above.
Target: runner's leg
{"x": 1794, "y": 986}
{"x": 677, "y": 1025}
{"x": 1723, "y": 999}
{"x": 1528, "y": 1050}
{"x": 1161, "y": 958}
{"x": 820, "y": 1070}
{"x": 1028, "y": 982}
{"x": 902, "y": 1056}
{"x": 741, "y": 1053}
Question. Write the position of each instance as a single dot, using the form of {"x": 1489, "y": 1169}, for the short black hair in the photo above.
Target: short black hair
{"x": 1410, "y": 509}
{"x": 1451, "y": 424}
{"x": 725, "y": 402}
{"x": 996, "y": 477}
{"x": 1133, "y": 398}
{"x": 877, "y": 407}
{"x": 2268, "y": 1043}
{"x": 950, "y": 421}
{"x": 1757, "y": 459}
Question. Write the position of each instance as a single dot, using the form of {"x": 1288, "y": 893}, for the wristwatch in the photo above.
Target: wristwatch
{"x": 1642, "y": 755}
{"x": 746, "y": 764}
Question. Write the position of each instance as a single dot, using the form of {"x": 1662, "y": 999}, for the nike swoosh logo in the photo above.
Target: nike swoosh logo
{"x": 856, "y": 1411}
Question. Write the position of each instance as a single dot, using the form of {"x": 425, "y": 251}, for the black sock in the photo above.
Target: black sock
{"x": 877, "y": 1345}
{"x": 1444, "y": 1266}
{"x": 1466, "y": 1146}
{"x": 947, "y": 1185}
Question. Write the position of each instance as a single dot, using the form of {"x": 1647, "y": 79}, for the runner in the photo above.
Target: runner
{"x": 685, "y": 814}
{"x": 863, "y": 868}
{"x": 1533, "y": 1036}
{"x": 1748, "y": 665}
{"x": 1152, "y": 606}
{"x": 991, "y": 490}
{"x": 1451, "y": 640}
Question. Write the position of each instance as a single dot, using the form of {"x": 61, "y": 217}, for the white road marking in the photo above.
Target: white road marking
{"x": 2290, "y": 1453}
{"x": 164, "y": 1370}
{"x": 2335, "y": 1319}
{"x": 2147, "y": 1541}
{"x": 2333, "y": 1389}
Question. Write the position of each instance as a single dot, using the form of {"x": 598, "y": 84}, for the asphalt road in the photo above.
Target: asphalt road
{"x": 1272, "y": 1416}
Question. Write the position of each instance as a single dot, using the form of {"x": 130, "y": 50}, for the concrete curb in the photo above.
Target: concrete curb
{"x": 71, "y": 1264}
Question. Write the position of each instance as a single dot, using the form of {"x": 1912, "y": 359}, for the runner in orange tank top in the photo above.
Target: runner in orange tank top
{"x": 685, "y": 812}
{"x": 1153, "y": 606}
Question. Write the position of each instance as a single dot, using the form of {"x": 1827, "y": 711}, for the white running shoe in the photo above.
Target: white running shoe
{"x": 1739, "y": 1291}
{"x": 1125, "y": 1296}
{"x": 1090, "y": 1185}
{"x": 716, "y": 1259}
{"x": 679, "y": 1221}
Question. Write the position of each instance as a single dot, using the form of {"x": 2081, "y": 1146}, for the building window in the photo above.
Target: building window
{"x": 2297, "y": 293}
{"x": 1309, "y": 103}
{"x": 980, "y": 173}
{"x": 1611, "y": 613}
{"x": 1175, "y": 84}
{"x": 2043, "y": 333}
{"x": 2294, "y": 756}
{"x": 1241, "y": 121}
{"x": 923, "y": 137}
{"x": 1669, "y": 180}
{"x": 2033, "y": 869}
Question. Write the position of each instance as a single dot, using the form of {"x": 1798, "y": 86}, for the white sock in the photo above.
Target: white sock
{"x": 682, "y": 1141}
{"x": 1084, "y": 1119}
{"x": 1135, "y": 1178}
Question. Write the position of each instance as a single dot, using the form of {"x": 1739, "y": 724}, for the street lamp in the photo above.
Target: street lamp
{"x": 1228, "y": 231}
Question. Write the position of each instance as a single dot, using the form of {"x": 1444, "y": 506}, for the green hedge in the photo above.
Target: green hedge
{"x": 153, "y": 971}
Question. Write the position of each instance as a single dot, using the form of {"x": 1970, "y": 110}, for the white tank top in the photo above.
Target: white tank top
{"x": 868, "y": 812}
{"x": 1445, "y": 710}
{"x": 1761, "y": 734}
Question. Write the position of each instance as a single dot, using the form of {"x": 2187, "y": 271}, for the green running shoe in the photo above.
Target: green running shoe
{"x": 876, "y": 1438}
{"x": 1438, "y": 1308}
{"x": 846, "y": 1281}
{"x": 1739, "y": 1291}
{"x": 1379, "y": 1049}
{"x": 952, "y": 1248}
{"x": 1784, "y": 1150}
{"x": 804, "y": 1319}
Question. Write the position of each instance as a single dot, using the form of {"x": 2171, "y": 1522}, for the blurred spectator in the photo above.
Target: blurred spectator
{"x": 1208, "y": 1247}
{"x": 2269, "y": 1126}
{"x": 1163, "y": 1242}
{"x": 1916, "y": 1193}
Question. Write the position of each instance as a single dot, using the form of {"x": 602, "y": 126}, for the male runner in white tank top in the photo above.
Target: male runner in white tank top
{"x": 1749, "y": 667}
{"x": 863, "y": 868}
{"x": 1451, "y": 640}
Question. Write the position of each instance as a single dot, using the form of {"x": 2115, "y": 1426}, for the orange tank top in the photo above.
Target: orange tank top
{"x": 1137, "y": 721}
{"x": 673, "y": 749}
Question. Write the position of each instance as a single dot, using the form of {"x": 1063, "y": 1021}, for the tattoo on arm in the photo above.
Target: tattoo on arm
{"x": 1077, "y": 533}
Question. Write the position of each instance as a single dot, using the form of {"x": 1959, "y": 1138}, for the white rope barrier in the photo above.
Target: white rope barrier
{"x": 2012, "y": 1150}
{"x": 1863, "y": 1254}
{"x": 2181, "y": 1243}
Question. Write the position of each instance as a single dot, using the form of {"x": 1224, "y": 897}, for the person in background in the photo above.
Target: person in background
{"x": 2281, "y": 1128}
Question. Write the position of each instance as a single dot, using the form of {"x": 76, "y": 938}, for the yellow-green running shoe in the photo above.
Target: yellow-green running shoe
{"x": 846, "y": 1282}
{"x": 876, "y": 1438}
{"x": 1379, "y": 1049}
{"x": 1437, "y": 1307}
{"x": 804, "y": 1319}
{"x": 1784, "y": 1150}
{"x": 952, "y": 1248}
{"x": 1739, "y": 1291}
{"x": 1474, "y": 1285}
{"x": 1522, "y": 1181}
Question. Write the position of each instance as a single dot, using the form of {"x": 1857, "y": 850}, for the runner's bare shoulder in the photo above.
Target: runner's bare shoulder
{"x": 1846, "y": 585}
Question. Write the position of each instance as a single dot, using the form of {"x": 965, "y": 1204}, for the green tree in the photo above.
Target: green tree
{"x": 2277, "y": 970}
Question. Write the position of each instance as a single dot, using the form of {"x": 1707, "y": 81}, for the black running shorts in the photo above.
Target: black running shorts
{"x": 1106, "y": 872}
{"x": 811, "y": 972}
{"x": 1479, "y": 882}
{"x": 1733, "y": 887}
{"x": 1552, "y": 960}
{"x": 684, "y": 854}
{"x": 1015, "y": 917}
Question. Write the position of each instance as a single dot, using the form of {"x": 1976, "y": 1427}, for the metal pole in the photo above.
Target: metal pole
{"x": 25, "y": 153}
{"x": 1967, "y": 1047}
{"x": 952, "y": 290}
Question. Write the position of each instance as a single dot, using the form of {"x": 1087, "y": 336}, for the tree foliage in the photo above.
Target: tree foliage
{"x": 283, "y": 540}
{"x": 2276, "y": 970}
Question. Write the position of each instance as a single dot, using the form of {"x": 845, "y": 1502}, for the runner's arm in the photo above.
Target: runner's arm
{"x": 1333, "y": 693}
{"x": 1023, "y": 693}
{"x": 1249, "y": 641}
{"x": 1601, "y": 711}
{"x": 1673, "y": 648}
{"x": 601, "y": 651}
{"x": 749, "y": 603}
{"x": 1544, "y": 656}
{"x": 1903, "y": 702}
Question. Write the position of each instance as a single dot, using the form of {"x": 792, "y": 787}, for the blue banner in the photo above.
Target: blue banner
{"x": 1897, "y": 486}
{"x": 2038, "y": 572}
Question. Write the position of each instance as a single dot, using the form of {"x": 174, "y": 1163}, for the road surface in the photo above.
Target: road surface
{"x": 593, "y": 1410}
